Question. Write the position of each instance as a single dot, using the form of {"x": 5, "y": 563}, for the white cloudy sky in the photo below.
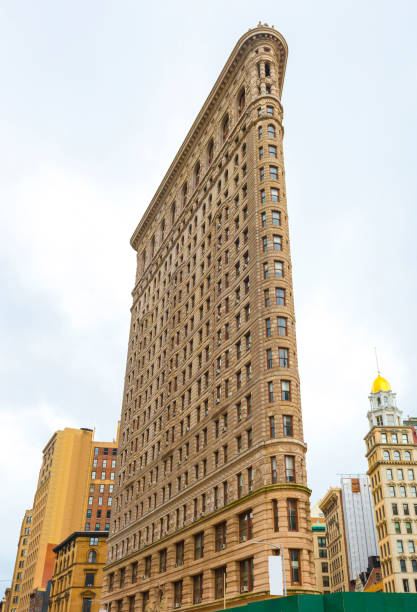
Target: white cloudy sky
{"x": 96, "y": 97}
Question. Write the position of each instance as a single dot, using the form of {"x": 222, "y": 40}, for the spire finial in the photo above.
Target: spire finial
{"x": 376, "y": 359}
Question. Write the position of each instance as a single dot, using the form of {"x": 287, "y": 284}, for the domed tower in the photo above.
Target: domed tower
{"x": 383, "y": 409}
{"x": 392, "y": 461}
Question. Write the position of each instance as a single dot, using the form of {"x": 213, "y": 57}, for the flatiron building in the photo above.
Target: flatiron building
{"x": 211, "y": 457}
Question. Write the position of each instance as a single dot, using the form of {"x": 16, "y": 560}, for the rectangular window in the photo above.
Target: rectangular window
{"x": 268, "y": 328}
{"x": 148, "y": 566}
{"x": 283, "y": 358}
{"x": 292, "y": 515}
{"x": 179, "y": 553}
{"x": 272, "y": 150}
{"x": 285, "y": 390}
{"x": 278, "y": 269}
{"x": 219, "y": 582}
{"x": 277, "y": 241}
{"x": 177, "y": 594}
{"x": 261, "y": 152}
{"x": 269, "y": 359}
{"x": 197, "y": 589}
{"x": 289, "y": 468}
{"x": 272, "y": 427}
{"x": 199, "y": 545}
{"x": 274, "y": 194}
{"x": 274, "y": 476}
{"x": 246, "y": 575}
{"x": 245, "y": 526}
{"x": 280, "y": 296}
{"x": 220, "y": 536}
{"x": 262, "y": 193}
{"x": 273, "y": 172}
{"x": 162, "y": 560}
{"x": 145, "y": 601}
{"x": 295, "y": 566}
{"x": 89, "y": 580}
{"x": 267, "y": 300}
{"x": 271, "y": 392}
{"x": 275, "y": 514}
{"x": 288, "y": 425}
{"x": 282, "y": 326}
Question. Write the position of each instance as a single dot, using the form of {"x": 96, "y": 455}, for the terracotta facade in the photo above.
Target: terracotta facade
{"x": 211, "y": 454}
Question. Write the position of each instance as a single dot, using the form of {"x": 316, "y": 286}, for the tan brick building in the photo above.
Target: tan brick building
{"x": 78, "y": 573}
{"x": 74, "y": 490}
{"x": 211, "y": 454}
{"x": 321, "y": 562}
{"x": 391, "y": 446}
{"x": 21, "y": 556}
{"x": 332, "y": 507}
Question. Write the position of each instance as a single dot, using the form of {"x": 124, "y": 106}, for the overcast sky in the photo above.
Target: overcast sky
{"x": 96, "y": 98}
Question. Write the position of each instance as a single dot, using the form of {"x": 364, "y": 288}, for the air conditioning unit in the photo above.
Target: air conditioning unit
{"x": 224, "y": 429}
{"x": 243, "y": 539}
{"x": 218, "y": 371}
{"x": 187, "y": 429}
{"x": 177, "y": 565}
{"x": 166, "y": 443}
{"x": 223, "y": 546}
{"x": 144, "y": 577}
{"x": 244, "y": 589}
{"x": 186, "y": 457}
{"x": 177, "y": 604}
{"x": 217, "y": 401}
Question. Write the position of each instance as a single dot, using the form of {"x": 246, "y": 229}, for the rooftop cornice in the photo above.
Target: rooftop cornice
{"x": 261, "y": 31}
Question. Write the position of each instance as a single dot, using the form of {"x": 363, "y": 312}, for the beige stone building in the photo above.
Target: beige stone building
{"x": 392, "y": 459}
{"x": 211, "y": 455}
{"x": 321, "y": 562}
{"x": 78, "y": 573}
{"x": 21, "y": 557}
{"x": 58, "y": 508}
{"x": 332, "y": 507}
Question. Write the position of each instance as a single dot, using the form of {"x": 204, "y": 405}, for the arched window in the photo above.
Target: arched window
{"x": 241, "y": 101}
{"x": 271, "y": 131}
{"x": 162, "y": 229}
{"x": 152, "y": 246}
{"x": 173, "y": 211}
{"x": 143, "y": 259}
{"x": 197, "y": 169}
{"x": 407, "y": 456}
{"x": 267, "y": 69}
{"x": 396, "y": 456}
{"x": 210, "y": 151}
{"x": 225, "y": 127}
{"x": 386, "y": 456}
{"x": 92, "y": 556}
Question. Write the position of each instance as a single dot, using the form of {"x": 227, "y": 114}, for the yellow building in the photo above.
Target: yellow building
{"x": 19, "y": 567}
{"x": 392, "y": 458}
{"x": 320, "y": 554}
{"x": 78, "y": 573}
{"x": 57, "y": 509}
{"x": 332, "y": 508}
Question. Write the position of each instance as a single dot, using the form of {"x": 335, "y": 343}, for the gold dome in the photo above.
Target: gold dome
{"x": 380, "y": 384}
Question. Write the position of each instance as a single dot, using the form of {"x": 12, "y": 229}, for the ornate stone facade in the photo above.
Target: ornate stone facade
{"x": 211, "y": 454}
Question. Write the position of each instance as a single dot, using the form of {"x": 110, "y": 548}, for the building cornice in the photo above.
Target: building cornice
{"x": 262, "y": 32}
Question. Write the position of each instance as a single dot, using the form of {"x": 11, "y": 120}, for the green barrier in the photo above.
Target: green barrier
{"x": 336, "y": 602}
